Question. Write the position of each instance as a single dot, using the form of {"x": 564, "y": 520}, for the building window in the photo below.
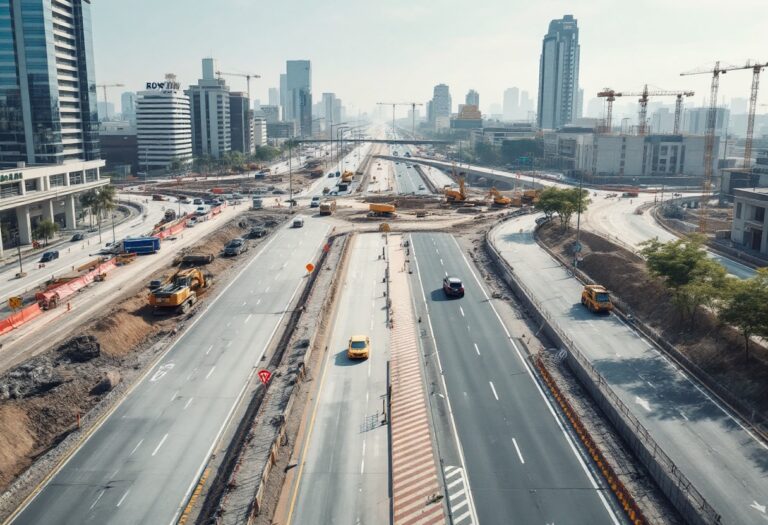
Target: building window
{"x": 76, "y": 177}
{"x": 10, "y": 190}
{"x": 759, "y": 214}
{"x": 91, "y": 175}
{"x": 58, "y": 180}
{"x": 663, "y": 150}
{"x": 738, "y": 210}
{"x": 31, "y": 185}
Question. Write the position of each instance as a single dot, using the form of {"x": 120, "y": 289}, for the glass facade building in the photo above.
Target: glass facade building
{"x": 47, "y": 84}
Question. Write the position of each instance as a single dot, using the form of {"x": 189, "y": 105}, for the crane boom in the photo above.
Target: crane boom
{"x": 104, "y": 89}
{"x": 246, "y": 76}
{"x": 610, "y": 95}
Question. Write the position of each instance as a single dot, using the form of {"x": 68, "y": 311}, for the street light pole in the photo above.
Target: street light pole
{"x": 290, "y": 175}
{"x": 18, "y": 251}
{"x": 577, "y": 246}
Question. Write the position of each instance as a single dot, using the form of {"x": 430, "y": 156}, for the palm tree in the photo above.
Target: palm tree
{"x": 88, "y": 200}
{"x": 46, "y": 229}
{"x": 104, "y": 202}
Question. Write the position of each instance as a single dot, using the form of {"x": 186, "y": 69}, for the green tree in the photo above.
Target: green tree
{"x": 104, "y": 202}
{"x": 564, "y": 202}
{"x": 88, "y": 200}
{"x": 694, "y": 279}
{"x": 746, "y": 306}
{"x": 549, "y": 202}
{"x": 46, "y": 229}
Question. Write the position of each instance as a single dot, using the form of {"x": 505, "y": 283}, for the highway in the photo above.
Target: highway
{"x": 142, "y": 463}
{"x": 726, "y": 463}
{"x": 407, "y": 179}
{"x": 343, "y": 472}
{"x": 522, "y": 466}
{"x": 350, "y": 162}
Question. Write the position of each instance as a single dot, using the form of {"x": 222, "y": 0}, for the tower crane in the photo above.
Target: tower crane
{"x": 246, "y": 76}
{"x": 709, "y": 142}
{"x": 104, "y": 90}
{"x": 642, "y": 128}
{"x": 413, "y": 113}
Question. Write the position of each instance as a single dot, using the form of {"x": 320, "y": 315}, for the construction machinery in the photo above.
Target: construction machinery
{"x": 327, "y": 207}
{"x": 104, "y": 89}
{"x": 642, "y": 124}
{"x": 709, "y": 140}
{"x": 530, "y": 196}
{"x": 347, "y": 177}
{"x": 498, "y": 198}
{"x": 179, "y": 292}
{"x": 452, "y": 195}
{"x": 381, "y": 210}
{"x": 596, "y": 298}
{"x": 246, "y": 76}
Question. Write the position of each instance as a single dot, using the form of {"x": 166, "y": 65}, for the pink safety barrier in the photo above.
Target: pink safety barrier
{"x": 51, "y": 298}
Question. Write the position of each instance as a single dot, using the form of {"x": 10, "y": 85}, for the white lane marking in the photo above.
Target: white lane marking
{"x": 160, "y": 444}
{"x": 366, "y": 398}
{"x": 250, "y": 315}
{"x": 477, "y": 349}
{"x": 136, "y": 447}
{"x": 164, "y": 369}
{"x": 643, "y": 403}
{"x": 258, "y": 302}
{"x": 174, "y": 395}
{"x": 229, "y": 323}
{"x": 650, "y": 384}
{"x": 446, "y": 274}
{"x": 186, "y": 405}
{"x": 229, "y": 343}
{"x": 461, "y": 310}
{"x": 123, "y": 498}
{"x": 683, "y": 414}
{"x": 209, "y": 350}
{"x": 519, "y": 454}
{"x": 494, "y": 390}
{"x": 362, "y": 466}
{"x": 97, "y": 499}
{"x": 441, "y": 262}
{"x": 245, "y": 302}
{"x": 266, "y": 289}
{"x": 114, "y": 474}
{"x": 210, "y": 372}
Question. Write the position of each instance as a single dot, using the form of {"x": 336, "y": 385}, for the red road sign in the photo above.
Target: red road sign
{"x": 265, "y": 376}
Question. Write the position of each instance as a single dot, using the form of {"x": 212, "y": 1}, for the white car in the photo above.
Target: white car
{"x": 191, "y": 222}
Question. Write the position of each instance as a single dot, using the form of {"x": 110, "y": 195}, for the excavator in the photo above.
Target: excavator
{"x": 498, "y": 198}
{"x": 179, "y": 291}
{"x": 451, "y": 195}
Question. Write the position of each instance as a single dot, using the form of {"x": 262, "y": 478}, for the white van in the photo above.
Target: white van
{"x": 298, "y": 222}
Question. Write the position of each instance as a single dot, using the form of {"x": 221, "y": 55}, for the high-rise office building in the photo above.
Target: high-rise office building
{"x": 209, "y": 103}
{"x": 472, "y": 98}
{"x": 270, "y": 113}
{"x": 511, "y": 108}
{"x": 299, "y": 94}
{"x": 526, "y": 106}
{"x": 441, "y": 106}
{"x": 47, "y": 85}
{"x": 559, "y": 74}
{"x": 163, "y": 126}
{"x": 274, "y": 97}
{"x": 283, "y": 95}
{"x": 128, "y": 106}
{"x": 240, "y": 123}
{"x": 331, "y": 110}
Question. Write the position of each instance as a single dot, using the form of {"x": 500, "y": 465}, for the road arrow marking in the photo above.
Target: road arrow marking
{"x": 755, "y": 505}
{"x": 643, "y": 403}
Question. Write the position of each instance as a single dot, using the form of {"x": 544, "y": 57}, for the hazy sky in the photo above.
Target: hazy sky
{"x": 396, "y": 50}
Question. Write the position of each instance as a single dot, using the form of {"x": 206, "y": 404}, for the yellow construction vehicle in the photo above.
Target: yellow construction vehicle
{"x": 498, "y": 198}
{"x": 347, "y": 177}
{"x": 327, "y": 207}
{"x": 451, "y": 195}
{"x": 381, "y": 210}
{"x": 531, "y": 196}
{"x": 179, "y": 292}
{"x": 596, "y": 298}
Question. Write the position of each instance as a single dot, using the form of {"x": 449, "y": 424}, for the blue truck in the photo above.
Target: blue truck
{"x": 140, "y": 245}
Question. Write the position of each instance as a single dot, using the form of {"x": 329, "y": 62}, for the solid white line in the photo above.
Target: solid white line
{"x": 266, "y": 289}
{"x": 441, "y": 262}
{"x": 461, "y": 310}
{"x": 187, "y": 403}
{"x": 210, "y": 372}
{"x": 477, "y": 349}
{"x": 209, "y": 350}
{"x": 136, "y": 447}
{"x": 362, "y": 466}
{"x": 97, "y": 499}
{"x": 174, "y": 395}
{"x": 494, "y": 390}
{"x": 123, "y": 498}
{"x": 519, "y": 454}
{"x": 250, "y": 315}
{"x": 160, "y": 444}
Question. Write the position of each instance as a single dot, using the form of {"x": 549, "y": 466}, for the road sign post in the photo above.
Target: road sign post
{"x": 264, "y": 376}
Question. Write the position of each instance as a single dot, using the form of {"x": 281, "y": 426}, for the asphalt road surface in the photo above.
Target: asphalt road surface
{"x": 724, "y": 462}
{"x": 142, "y": 463}
{"x": 408, "y": 180}
{"x": 344, "y": 472}
{"x": 522, "y": 466}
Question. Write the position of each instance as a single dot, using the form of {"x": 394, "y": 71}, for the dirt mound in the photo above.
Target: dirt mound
{"x": 34, "y": 377}
{"x": 80, "y": 349}
{"x": 718, "y": 350}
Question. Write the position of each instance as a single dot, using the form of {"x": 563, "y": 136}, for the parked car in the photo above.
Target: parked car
{"x": 278, "y": 191}
{"x": 257, "y": 232}
{"x": 79, "y": 236}
{"x": 453, "y": 287}
{"x": 197, "y": 201}
{"x": 191, "y": 222}
{"x": 49, "y": 256}
{"x": 235, "y": 246}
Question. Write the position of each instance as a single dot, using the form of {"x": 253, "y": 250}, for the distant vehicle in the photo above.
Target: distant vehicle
{"x": 315, "y": 202}
{"x": 421, "y": 187}
{"x": 596, "y": 298}
{"x": 629, "y": 194}
{"x": 407, "y": 154}
{"x": 257, "y": 232}
{"x": 328, "y": 207}
{"x": 49, "y": 256}
{"x": 395, "y": 154}
{"x": 77, "y": 237}
{"x": 359, "y": 347}
{"x": 256, "y": 203}
{"x": 201, "y": 210}
{"x": 170, "y": 215}
{"x": 343, "y": 186}
{"x": 331, "y": 175}
{"x": 197, "y": 201}
{"x": 184, "y": 200}
{"x": 278, "y": 191}
{"x": 541, "y": 220}
{"x": 453, "y": 287}
{"x": 191, "y": 222}
{"x": 298, "y": 222}
{"x": 291, "y": 202}
{"x": 235, "y": 247}
{"x": 157, "y": 197}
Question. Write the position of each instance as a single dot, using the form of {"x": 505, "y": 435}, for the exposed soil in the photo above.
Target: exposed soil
{"x": 717, "y": 350}
{"x": 41, "y": 399}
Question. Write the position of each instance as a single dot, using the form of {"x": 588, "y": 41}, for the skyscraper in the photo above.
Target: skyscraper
{"x": 511, "y": 108}
{"x": 283, "y": 95}
{"x": 209, "y": 103}
{"x": 472, "y": 98}
{"x": 441, "y": 106}
{"x": 241, "y": 123}
{"x": 274, "y": 97}
{"x": 299, "y": 94}
{"x": 329, "y": 111}
{"x": 526, "y": 106}
{"x": 128, "y": 106}
{"x": 559, "y": 74}
{"x": 48, "y": 89}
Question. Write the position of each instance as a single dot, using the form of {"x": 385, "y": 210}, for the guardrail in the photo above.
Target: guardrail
{"x": 689, "y": 502}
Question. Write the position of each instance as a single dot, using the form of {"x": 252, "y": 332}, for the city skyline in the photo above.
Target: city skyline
{"x": 501, "y": 51}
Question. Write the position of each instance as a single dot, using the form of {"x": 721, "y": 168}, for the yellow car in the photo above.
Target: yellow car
{"x": 359, "y": 347}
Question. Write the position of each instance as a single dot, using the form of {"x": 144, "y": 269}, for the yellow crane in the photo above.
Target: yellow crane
{"x": 104, "y": 90}
{"x": 246, "y": 76}
{"x": 610, "y": 95}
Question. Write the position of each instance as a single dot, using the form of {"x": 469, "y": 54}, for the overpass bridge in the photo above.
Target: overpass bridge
{"x": 415, "y": 142}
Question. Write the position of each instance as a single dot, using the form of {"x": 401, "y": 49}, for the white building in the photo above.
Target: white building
{"x": 209, "y": 105}
{"x": 750, "y": 220}
{"x": 163, "y": 128}
{"x": 259, "y": 131}
{"x": 441, "y": 107}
